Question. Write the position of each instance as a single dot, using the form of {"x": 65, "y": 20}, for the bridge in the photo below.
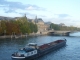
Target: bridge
{"x": 55, "y": 32}
{"x": 62, "y": 33}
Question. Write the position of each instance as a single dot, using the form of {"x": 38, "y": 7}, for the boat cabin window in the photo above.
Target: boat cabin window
{"x": 35, "y": 51}
{"x": 29, "y": 49}
{"x": 31, "y": 53}
{"x": 21, "y": 52}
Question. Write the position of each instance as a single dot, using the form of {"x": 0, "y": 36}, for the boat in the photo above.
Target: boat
{"x": 33, "y": 51}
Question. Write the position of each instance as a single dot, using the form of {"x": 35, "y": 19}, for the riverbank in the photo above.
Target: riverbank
{"x": 11, "y": 36}
{"x": 19, "y": 36}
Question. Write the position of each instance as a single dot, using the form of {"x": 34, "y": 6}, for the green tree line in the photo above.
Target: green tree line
{"x": 65, "y": 28}
{"x": 19, "y": 26}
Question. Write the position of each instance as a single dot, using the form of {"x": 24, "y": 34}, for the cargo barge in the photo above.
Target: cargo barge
{"x": 33, "y": 51}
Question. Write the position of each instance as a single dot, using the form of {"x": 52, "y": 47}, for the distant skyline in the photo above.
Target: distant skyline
{"x": 56, "y": 11}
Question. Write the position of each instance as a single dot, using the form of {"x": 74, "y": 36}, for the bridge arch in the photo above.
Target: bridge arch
{"x": 63, "y": 33}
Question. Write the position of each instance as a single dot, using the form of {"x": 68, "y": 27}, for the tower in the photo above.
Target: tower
{"x": 36, "y": 19}
{"x": 25, "y": 15}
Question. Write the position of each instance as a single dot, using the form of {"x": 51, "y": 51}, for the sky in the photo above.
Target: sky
{"x": 55, "y": 11}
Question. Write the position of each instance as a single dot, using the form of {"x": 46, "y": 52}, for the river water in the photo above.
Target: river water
{"x": 70, "y": 52}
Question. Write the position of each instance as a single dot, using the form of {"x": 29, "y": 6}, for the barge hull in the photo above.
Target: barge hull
{"x": 53, "y": 48}
{"x": 43, "y": 52}
{"x": 46, "y": 48}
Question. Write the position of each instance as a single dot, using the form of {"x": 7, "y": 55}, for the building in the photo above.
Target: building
{"x": 42, "y": 26}
{"x": 31, "y": 20}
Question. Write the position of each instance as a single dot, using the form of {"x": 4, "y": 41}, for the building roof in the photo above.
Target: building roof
{"x": 38, "y": 20}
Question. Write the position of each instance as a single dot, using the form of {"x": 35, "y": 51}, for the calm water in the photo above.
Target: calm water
{"x": 70, "y": 52}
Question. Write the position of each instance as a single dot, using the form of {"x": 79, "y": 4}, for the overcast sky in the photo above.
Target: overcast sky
{"x": 56, "y": 11}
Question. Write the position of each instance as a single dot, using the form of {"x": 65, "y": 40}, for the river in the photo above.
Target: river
{"x": 70, "y": 52}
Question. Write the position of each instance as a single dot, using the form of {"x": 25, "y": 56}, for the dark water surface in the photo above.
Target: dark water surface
{"x": 69, "y": 52}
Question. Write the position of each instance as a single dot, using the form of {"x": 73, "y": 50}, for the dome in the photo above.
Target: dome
{"x": 40, "y": 20}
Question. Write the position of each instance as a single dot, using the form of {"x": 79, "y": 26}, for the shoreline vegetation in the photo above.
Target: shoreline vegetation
{"x": 21, "y": 27}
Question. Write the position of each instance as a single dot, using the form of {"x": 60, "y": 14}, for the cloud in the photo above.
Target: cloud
{"x": 13, "y": 6}
{"x": 7, "y": 10}
{"x": 34, "y": 7}
{"x": 30, "y": 8}
{"x": 62, "y": 15}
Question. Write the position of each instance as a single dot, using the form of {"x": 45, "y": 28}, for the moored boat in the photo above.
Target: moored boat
{"x": 33, "y": 51}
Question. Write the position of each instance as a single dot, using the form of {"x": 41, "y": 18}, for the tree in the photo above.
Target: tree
{"x": 3, "y": 27}
{"x": 23, "y": 25}
{"x": 35, "y": 28}
{"x": 54, "y": 26}
{"x": 12, "y": 28}
{"x": 57, "y": 27}
{"x": 18, "y": 26}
